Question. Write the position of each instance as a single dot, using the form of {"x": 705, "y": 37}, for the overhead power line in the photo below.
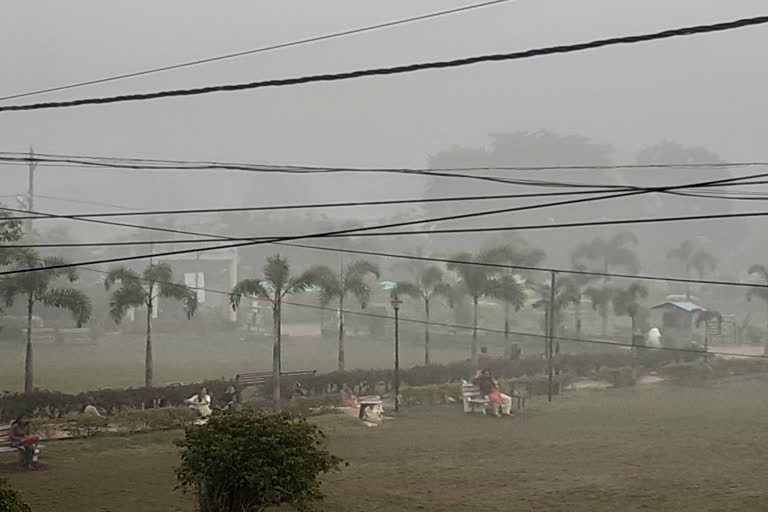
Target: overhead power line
{"x": 263, "y": 49}
{"x": 294, "y": 170}
{"x": 479, "y": 328}
{"x": 171, "y": 164}
{"x": 370, "y": 234}
{"x": 310, "y": 206}
{"x": 366, "y": 229}
{"x": 408, "y": 68}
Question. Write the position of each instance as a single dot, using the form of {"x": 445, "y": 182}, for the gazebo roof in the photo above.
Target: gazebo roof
{"x": 689, "y": 307}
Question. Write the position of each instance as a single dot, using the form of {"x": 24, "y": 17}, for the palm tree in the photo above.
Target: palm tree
{"x": 601, "y": 302}
{"x": 759, "y": 291}
{"x": 37, "y": 286}
{"x": 351, "y": 280}
{"x": 276, "y": 285}
{"x": 512, "y": 292}
{"x": 626, "y": 302}
{"x": 430, "y": 285}
{"x": 478, "y": 281}
{"x": 609, "y": 253}
{"x": 693, "y": 259}
{"x": 580, "y": 281}
{"x": 708, "y": 318}
{"x": 143, "y": 290}
{"x": 566, "y": 293}
{"x": 606, "y": 255}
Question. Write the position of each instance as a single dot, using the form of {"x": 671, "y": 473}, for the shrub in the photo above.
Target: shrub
{"x": 10, "y": 499}
{"x": 142, "y": 420}
{"x": 248, "y": 461}
{"x": 617, "y": 377}
{"x": 693, "y": 372}
{"x": 84, "y": 425}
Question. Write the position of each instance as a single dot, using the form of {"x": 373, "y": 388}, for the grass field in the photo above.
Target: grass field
{"x": 118, "y": 362}
{"x": 658, "y": 447}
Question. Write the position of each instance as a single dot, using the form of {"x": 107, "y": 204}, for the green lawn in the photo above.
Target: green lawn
{"x": 118, "y": 362}
{"x": 651, "y": 448}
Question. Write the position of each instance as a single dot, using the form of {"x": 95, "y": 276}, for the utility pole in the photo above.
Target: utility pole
{"x": 550, "y": 334}
{"x": 396, "y": 306}
{"x": 32, "y": 165}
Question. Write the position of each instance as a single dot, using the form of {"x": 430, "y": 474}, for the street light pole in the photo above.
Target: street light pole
{"x": 396, "y": 306}
{"x": 550, "y": 335}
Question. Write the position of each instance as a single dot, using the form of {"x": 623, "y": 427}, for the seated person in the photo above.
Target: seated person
{"x": 490, "y": 389}
{"x": 22, "y": 438}
{"x": 348, "y": 399}
{"x": 201, "y": 402}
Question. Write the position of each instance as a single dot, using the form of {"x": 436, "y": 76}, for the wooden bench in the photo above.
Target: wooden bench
{"x": 474, "y": 400}
{"x": 5, "y": 444}
{"x": 244, "y": 380}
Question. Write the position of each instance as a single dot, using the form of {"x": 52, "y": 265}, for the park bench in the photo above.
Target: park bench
{"x": 474, "y": 400}
{"x": 244, "y": 380}
{"x": 5, "y": 443}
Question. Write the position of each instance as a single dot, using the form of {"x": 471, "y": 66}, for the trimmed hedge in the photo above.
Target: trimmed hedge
{"x": 612, "y": 366}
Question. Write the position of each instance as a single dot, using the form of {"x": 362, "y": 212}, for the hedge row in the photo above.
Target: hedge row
{"x": 55, "y": 405}
{"x": 136, "y": 420}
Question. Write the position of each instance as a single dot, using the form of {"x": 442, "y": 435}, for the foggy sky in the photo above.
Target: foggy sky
{"x": 705, "y": 90}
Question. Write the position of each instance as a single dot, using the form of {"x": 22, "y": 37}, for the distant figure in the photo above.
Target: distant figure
{"x": 90, "y": 410}
{"x": 483, "y": 356}
{"x": 298, "y": 391}
{"x": 201, "y": 402}
{"x": 22, "y": 438}
{"x": 653, "y": 339}
{"x": 490, "y": 388}
{"x": 348, "y": 399}
{"x": 230, "y": 398}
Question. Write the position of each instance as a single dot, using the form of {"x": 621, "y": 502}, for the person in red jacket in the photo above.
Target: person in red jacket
{"x": 490, "y": 389}
{"x": 23, "y": 439}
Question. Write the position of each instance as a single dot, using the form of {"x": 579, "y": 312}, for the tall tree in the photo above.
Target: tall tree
{"x": 350, "y": 280}
{"x": 601, "y": 298}
{"x": 566, "y": 293}
{"x": 512, "y": 292}
{"x": 693, "y": 259}
{"x": 39, "y": 286}
{"x": 626, "y": 302}
{"x": 709, "y": 318}
{"x": 605, "y": 255}
{"x": 135, "y": 291}
{"x": 10, "y": 231}
{"x": 430, "y": 284}
{"x": 274, "y": 287}
{"x": 581, "y": 283}
{"x": 478, "y": 280}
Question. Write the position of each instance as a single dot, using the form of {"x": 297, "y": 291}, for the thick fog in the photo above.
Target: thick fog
{"x": 700, "y": 92}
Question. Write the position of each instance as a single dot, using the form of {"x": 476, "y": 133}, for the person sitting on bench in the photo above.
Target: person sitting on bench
{"x": 489, "y": 388}
{"x": 22, "y": 438}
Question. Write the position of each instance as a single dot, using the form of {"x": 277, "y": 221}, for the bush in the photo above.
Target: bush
{"x": 248, "y": 461}
{"x": 143, "y": 420}
{"x": 693, "y": 372}
{"x": 84, "y": 425}
{"x": 617, "y": 377}
{"x": 10, "y": 499}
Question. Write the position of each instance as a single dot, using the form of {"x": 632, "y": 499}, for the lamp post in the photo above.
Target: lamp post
{"x": 396, "y": 306}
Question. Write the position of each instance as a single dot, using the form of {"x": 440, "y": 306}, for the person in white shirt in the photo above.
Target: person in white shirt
{"x": 201, "y": 402}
